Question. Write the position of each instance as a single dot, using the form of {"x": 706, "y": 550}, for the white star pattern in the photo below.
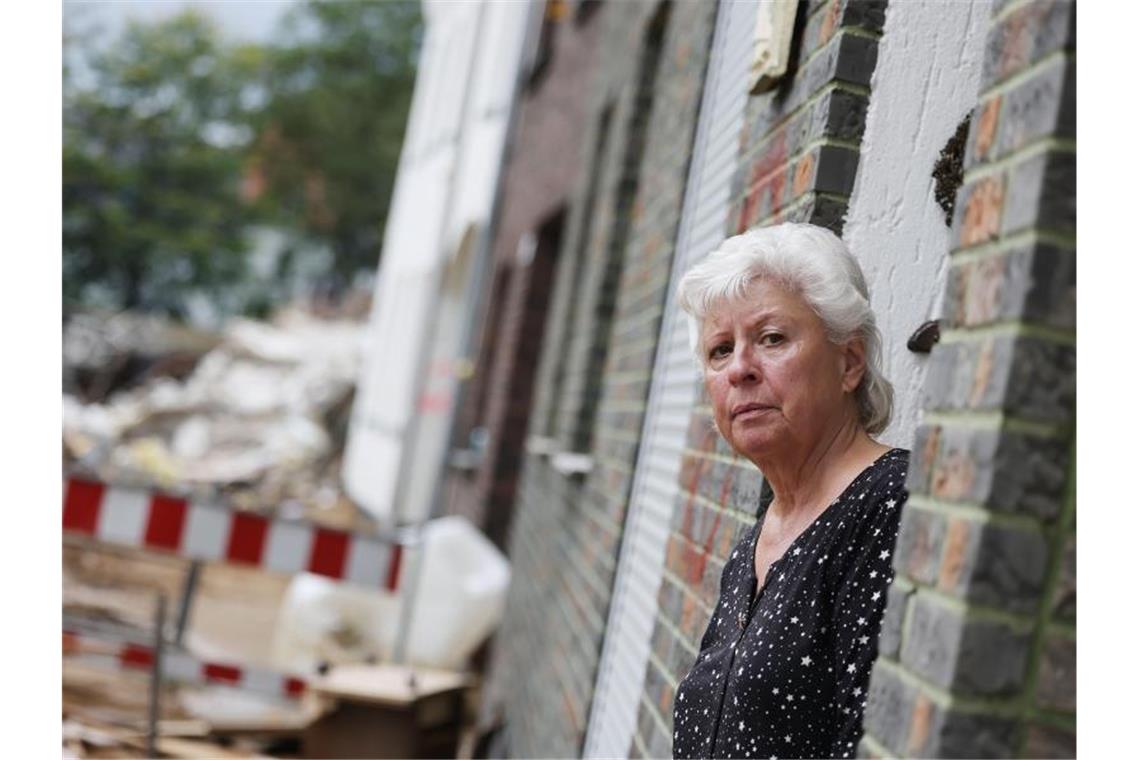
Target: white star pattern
{"x": 778, "y": 707}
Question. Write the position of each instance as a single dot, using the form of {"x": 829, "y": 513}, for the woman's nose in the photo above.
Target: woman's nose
{"x": 742, "y": 368}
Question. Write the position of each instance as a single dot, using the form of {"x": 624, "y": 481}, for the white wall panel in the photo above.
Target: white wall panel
{"x": 925, "y": 83}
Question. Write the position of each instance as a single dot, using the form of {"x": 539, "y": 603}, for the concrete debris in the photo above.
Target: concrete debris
{"x": 259, "y": 419}
{"x": 104, "y": 353}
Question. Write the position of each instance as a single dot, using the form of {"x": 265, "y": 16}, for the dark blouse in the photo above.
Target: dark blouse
{"x": 785, "y": 675}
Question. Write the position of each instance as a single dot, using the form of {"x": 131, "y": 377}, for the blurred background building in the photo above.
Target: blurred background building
{"x": 524, "y": 365}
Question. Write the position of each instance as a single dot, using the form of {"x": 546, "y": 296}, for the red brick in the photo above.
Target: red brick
{"x": 953, "y": 555}
{"x": 987, "y": 127}
{"x": 919, "y": 724}
{"x": 982, "y": 216}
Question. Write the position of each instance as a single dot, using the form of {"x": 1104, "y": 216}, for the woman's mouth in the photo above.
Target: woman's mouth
{"x": 750, "y": 410}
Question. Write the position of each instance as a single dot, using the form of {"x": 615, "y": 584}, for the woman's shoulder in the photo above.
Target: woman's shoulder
{"x": 883, "y": 486}
{"x": 888, "y": 472}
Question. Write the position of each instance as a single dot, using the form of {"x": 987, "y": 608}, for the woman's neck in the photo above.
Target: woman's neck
{"x": 812, "y": 481}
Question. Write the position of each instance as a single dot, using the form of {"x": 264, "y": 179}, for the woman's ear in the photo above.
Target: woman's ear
{"x": 854, "y": 364}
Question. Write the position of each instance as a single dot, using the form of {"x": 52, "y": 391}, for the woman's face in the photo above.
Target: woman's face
{"x": 778, "y": 386}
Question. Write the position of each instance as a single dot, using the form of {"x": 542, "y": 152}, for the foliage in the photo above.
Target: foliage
{"x": 340, "y": 87}
{"x": 151, "y": 163}
{"x": 176, "y": 145}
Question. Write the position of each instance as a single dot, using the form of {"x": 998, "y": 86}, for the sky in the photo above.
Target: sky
{"x": 238, "y": 20}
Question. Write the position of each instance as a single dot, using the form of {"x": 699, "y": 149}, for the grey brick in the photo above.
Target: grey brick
{"x": 1064, "y": 602}
{"x": 969, "y": 735}
{"x": 1025, "y": 376}
{"x": 963, "y": 468}
{"x": 1042, "y": 384}
{"x": 845, "y": 58}
{"x": 857, "y": 59}
{"x": 890, "y": 635}
{"x": 1005, "y": 568}
{"x": 919, "y": 543}
{"x": 840, "y": 114}
{"x": 1042, "y": 106}
{"x": 890, "y": 702}
{"x": 1057, "y": 674}
{"x": 1029, "y": 475}
{"x": 813, "y": 25}
{"x": 1042, "y": 193}
{"x": 835, "y": 170}
{"x": 1049, "y": 742}
{"x": 1052, "y": 296}
{"x": 1026, "y": 36}
{"x": 865, "y": 14}
{"x": 846, "y": 115}
{"x": 1035, "y": 283}
{"x": 827, "y": 212}
{"x": 992, "y": 659}
{"x": 923, "y": 456}
{"x": 961, "y": 654}
{"x": 862, "y": 14}
{"x": 931, "y": 640}
{"x": 1004, "y": 470}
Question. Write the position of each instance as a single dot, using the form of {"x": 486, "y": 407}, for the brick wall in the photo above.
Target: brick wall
{"x": 541, "y": 173}
{"x": 593, "y": 376}
{"x": 798, "y": 155}
{"x": 977, "y": 656}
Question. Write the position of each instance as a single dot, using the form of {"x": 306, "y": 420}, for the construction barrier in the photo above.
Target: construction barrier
{"x": 178, "y": 666}
{"x": 214, "y": 532}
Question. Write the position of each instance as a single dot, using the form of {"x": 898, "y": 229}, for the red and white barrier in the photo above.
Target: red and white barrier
{"x": 213, "y": 532}
{"x": 178, "y": 666}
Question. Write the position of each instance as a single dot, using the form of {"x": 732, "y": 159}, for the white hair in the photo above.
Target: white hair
{"x": 813, "y": 263}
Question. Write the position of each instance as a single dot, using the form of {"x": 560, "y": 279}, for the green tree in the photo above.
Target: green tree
{"x": 152, "y": 158}
{"x": 339, "y": 87}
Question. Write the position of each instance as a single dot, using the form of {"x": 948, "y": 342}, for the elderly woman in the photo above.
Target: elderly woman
{"x": 782, "y": 325}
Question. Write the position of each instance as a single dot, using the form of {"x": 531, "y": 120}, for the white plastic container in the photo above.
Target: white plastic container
{"x": 459, "y": 600}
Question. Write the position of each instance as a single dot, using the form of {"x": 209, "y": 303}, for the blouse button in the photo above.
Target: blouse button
{"x": 741, "y": 619}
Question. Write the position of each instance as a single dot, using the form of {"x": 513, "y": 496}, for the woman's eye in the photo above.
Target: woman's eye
{"x": 721, "y": 351}
{"x": 771, "y": 339}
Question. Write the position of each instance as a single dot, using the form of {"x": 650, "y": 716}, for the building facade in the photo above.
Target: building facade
{"x": 938, "y": 139}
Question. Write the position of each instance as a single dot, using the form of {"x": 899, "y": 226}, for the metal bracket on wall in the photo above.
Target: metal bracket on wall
{"x": 924, "y": 338}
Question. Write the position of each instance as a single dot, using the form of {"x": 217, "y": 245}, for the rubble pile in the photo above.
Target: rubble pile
{"x": 259, "y": 420}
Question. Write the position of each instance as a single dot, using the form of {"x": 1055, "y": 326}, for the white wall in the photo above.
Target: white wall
{"x": 445, "y": 185}
{"x": 925, "y": 83}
